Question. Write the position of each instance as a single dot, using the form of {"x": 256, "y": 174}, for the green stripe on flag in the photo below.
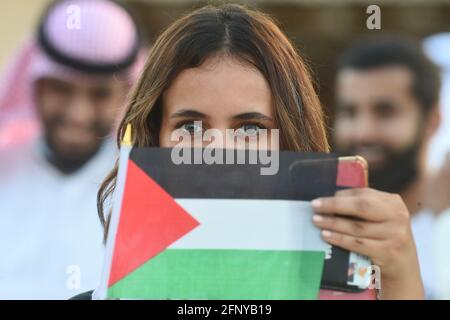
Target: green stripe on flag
{"x": 224, "y": 274}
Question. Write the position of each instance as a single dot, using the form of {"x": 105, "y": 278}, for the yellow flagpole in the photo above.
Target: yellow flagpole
{"x": 127, "y": 137}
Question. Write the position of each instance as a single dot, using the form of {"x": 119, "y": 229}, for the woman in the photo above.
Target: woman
{"x": 229, "y": 67}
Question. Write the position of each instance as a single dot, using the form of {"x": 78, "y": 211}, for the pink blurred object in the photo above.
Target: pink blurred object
{"x": 18, "y": 132}
{"x": 18, "y": 121}
{"x": 104, "y": 33}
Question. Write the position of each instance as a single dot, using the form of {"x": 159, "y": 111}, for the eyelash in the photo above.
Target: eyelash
{"x": 259, "y": 125}
{"x": 183, "y": 123}
{"x": 180, "y": 124}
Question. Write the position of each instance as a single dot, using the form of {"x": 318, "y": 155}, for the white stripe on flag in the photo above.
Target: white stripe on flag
{"x": 101, "y": 292}
{"x": 251, "y": 224}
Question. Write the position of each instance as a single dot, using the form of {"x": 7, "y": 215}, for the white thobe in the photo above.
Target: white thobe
{"x": 50, "y": 234}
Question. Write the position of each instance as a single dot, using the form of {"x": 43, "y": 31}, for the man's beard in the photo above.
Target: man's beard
{"x": 401, "y": 169}
{"x": 69, "y": 161}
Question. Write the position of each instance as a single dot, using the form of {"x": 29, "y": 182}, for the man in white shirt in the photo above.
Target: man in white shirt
{"x": 387, "y": 94}
{"x": 50, "y": 234}
{"x": 437, "y": 47}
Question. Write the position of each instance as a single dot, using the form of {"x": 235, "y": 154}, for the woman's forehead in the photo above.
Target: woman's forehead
{"x": 219, "y": 85}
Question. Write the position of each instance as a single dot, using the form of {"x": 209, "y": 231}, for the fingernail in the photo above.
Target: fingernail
{"x": 317, "y": 218}
{"x": 326, "y": 233}
{"x": 316, "y": 203}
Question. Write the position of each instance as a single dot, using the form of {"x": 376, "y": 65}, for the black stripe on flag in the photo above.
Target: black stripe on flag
{"x": 301, "y": 176}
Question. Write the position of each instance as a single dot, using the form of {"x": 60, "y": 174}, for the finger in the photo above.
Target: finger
{"x": 384, "y": 197}
{"x": 364, "y": 246}
{"x": 352, "y": 227}
{"x": 352, "y": 192}
{"x": 363, "y": 207}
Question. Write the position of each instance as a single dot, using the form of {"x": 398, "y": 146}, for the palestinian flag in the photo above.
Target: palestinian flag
{"x": 216, "y": 231}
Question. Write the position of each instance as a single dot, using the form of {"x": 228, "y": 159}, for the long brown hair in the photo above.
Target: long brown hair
{"x": 245, "y": 34}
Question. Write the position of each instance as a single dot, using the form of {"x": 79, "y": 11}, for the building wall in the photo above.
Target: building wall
{"x": 18, "y": 20}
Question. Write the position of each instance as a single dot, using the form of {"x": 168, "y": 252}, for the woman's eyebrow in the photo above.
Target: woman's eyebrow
{"x": 188, "y": 114}
{"x": 252, "y": 116}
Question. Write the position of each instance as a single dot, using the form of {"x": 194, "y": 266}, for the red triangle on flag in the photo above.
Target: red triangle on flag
{"x": 150, "y": 221}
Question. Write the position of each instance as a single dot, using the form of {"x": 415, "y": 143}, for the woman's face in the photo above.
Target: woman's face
{"x": 221, "y": 94}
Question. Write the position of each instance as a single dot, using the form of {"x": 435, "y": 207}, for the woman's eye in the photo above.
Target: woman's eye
{"x": 192, "y": 127}
{"x": 249, "y": 130}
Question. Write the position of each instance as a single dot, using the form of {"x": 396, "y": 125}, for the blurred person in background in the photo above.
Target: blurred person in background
{"x": 437, "y": 47}
{"x": 50, "y": 236}
{"x": 387, "y": 95}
